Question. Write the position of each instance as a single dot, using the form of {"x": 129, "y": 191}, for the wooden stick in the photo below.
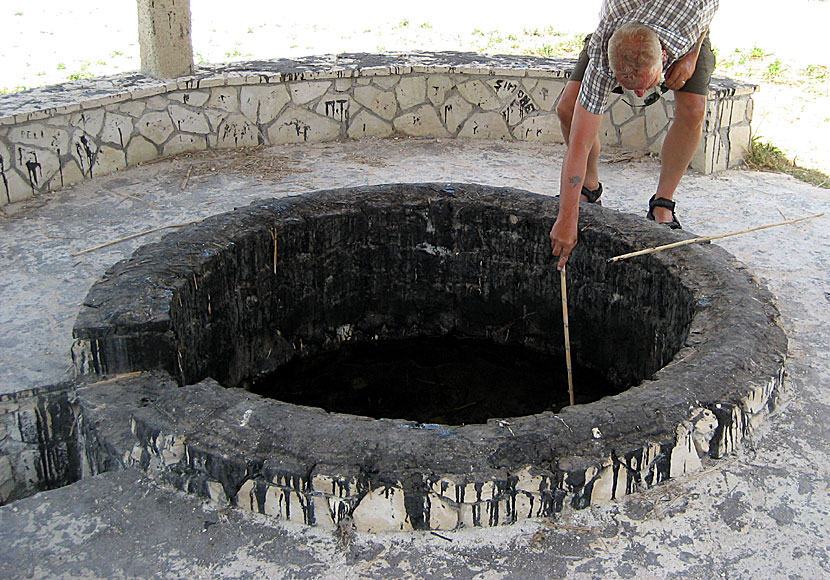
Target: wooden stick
{"x": 274, "y": 235}
{"x": 131, "y": 236}
{"x": 708, "y": 238}
{"x": 187, "y": 177}
{"x": 567, "y": 335}
{"x": 128, "y": 196}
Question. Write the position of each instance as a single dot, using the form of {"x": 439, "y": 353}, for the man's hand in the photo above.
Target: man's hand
{"x": 563, "y": 237}
{"x": 681, "y": 71}
{"x": 683, "y": 68}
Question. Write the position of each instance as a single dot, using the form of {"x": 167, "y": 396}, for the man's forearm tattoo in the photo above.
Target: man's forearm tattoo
{"x": 575, "y": 180}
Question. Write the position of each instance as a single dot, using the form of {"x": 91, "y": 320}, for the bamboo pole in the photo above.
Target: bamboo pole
{"x": 709, "y": 238}
{"x": 567, "y": 335}
{"x": 131, "y": 236}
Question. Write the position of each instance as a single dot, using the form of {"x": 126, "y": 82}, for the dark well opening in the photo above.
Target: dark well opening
{"x": 245, "y": 293}
{"x": 446, "y": 380}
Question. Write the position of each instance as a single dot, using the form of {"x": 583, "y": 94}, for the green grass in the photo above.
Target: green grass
{"x": 767, "y": 157}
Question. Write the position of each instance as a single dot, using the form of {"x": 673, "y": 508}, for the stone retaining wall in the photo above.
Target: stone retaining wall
{"x": 56, "y": 136}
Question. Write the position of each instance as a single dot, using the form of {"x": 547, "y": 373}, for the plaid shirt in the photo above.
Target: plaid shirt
{"x": 678, "y": 24}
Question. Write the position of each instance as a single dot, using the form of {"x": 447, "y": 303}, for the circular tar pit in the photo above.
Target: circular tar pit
{"x": 678, "y": 353}
{"x": 448, "y": 380}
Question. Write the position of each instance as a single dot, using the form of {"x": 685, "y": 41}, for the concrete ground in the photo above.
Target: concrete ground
{"x": 763, "y": 512}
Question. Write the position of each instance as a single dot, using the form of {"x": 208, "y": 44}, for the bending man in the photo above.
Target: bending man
{"x": 637, "y": 44}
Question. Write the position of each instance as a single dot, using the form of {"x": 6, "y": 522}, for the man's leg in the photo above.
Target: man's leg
{"x": 565, "y": 112}
{"x": 684, "y": 134}
{"x": 680, "y": 146}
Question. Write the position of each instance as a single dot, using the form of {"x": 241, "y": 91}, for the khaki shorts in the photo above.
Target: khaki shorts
{"x": 697, "y": 84}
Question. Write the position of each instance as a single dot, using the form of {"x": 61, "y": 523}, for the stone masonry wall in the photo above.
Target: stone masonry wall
{"x": 56, "y": 136}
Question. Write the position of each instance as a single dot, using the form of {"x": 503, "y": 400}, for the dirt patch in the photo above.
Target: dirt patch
{"x": 260, "y": 162}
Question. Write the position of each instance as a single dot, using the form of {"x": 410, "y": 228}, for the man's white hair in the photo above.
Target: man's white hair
{"x": 634, "y": 50}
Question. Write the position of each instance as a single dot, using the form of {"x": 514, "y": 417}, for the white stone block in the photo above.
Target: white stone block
{"x": 633, "y": 134}
{"x": 546, "y": 93}
{"x": 109, "y": 160}
{"x": 375, "y": 71}
{"x": 297, "y": 125}
{"x": 684, "y": 457}
{"x": 411, "y": 91}
{"x": 454, "y": 112}
{"x": 216, "y": 492}
{"x": 484, "y": 514}
{"x": 540, "y": 128}
{"x": 6, "y": 478}
{"x": 437, "y": 87}
{"x": 529, "y": 83}
{"x": 158, "y": 103}
{"x": 621, "y": 112}
{"x": 225, "y": 99}
{"x": 192, "y": 98}
{"x": 38, "y": 166}
{"x": 322, "y": 512}
{"x": 133, "y": 108}
{"x": 479, "y": 94}
{"x": 423, "y": 122}
{"x": 246, "y": 498}
{"x": 117, "y": 129}
{"x": 386, "y": 83}
{"x": 343, "y": 85}
{"x": 382, "y": 103}
{"x": 140, "y": 150}
{"x": 526, "y": 505}
{"x": 657, "y": 121}
{"x": 705, "y": 423}
{"x": 184, "y": 143}
{"x": 382, "y": 510}
{"x": 603, "y": 488}
{"x": 442, "y": 514}
{"x": 607, "y": 132}
{"x": 188, "y": 120}
{"x": 156, "y": 126}
{"x": 740, "y": 137}
{"x": 485, "y": 126}
{"x": 303, "y": 92}
{"x": 18, "y": 188}
{"x": 237, "y": 131}
{"x": 211, "y": 82}
{"x": 365, "y": 124}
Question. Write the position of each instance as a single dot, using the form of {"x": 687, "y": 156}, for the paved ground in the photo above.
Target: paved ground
{"x": 762, "y": 513}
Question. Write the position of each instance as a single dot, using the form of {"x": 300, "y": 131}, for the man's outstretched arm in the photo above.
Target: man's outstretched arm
{"x": 563, "y": 235}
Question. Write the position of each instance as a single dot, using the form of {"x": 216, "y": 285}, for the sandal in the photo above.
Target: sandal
{"x": 593, "y": 196}
{"x": 665, "y": 204}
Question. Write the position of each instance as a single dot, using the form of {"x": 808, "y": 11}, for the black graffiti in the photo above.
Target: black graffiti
{"x": 522, "y": 103}
{"x": 237, "y": 132}
{"x": 85, "y": 153}
{"x": 447, "y": 111}
{"x": 60, "y": 165}
{"x": 33, "y": 167}
{"x": 5, "y": 181}
{"x": 525, "y": 102}
{"x": 508, "y": 86}
{"x": 338, "y": 108}
{"x": 301, "y": 128}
